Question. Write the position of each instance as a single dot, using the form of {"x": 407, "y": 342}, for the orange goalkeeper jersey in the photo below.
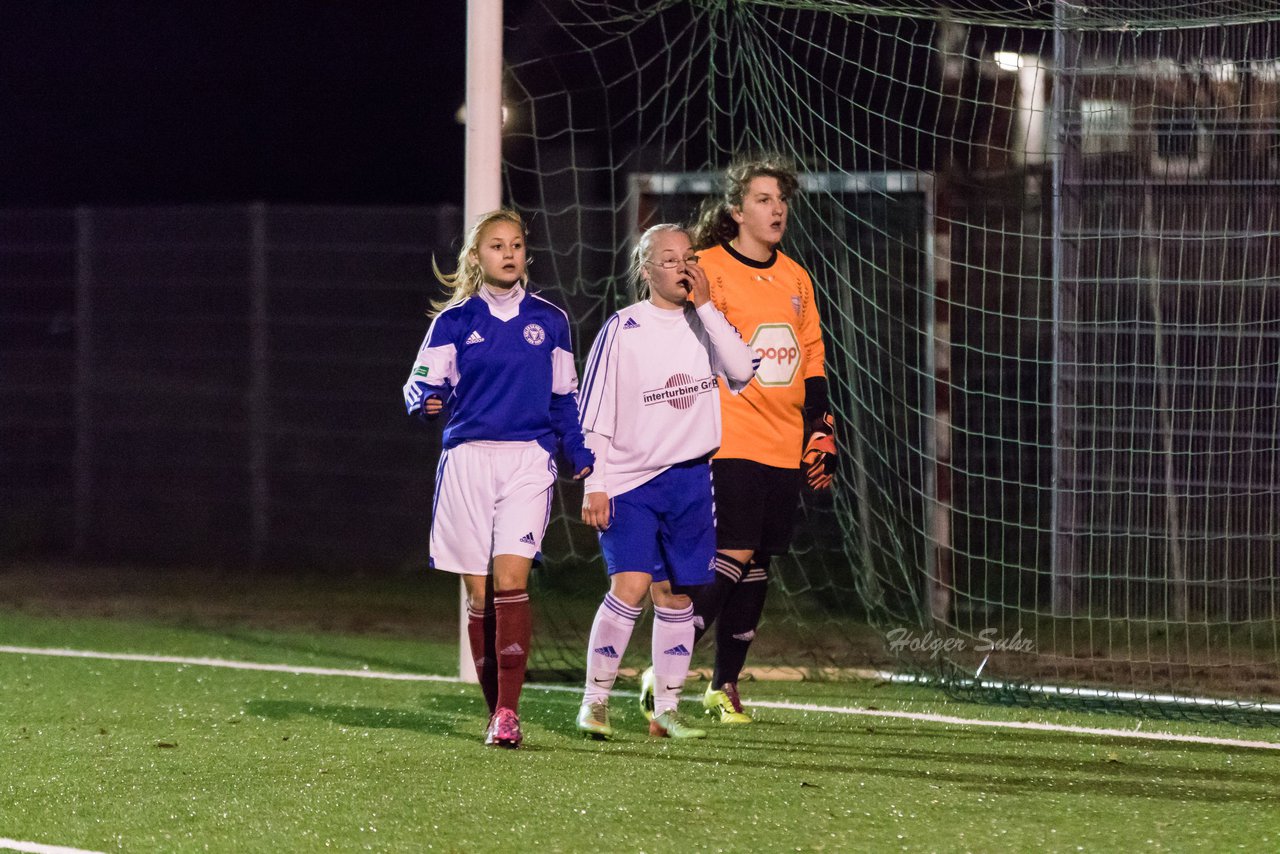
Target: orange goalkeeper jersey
{"x": 771, "y": 304}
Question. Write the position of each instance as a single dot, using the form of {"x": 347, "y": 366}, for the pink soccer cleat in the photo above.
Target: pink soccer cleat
{"x": 504, "y": 729}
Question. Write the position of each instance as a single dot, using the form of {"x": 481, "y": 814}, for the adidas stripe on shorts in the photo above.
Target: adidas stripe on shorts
{"x": 491, "y": 498}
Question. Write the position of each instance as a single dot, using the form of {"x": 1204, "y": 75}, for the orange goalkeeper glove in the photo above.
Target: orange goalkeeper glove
{"x": 819, "y": 458}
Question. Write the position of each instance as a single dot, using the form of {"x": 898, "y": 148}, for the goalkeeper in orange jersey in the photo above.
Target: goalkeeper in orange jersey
{"x": 778, "y": 432}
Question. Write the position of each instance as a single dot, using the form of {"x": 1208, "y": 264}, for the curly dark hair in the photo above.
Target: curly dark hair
{"x": 714, "y": 224}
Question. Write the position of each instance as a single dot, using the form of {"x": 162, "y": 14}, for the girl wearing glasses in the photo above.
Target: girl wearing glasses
{"x": 651, "y": 414}
{"x": 498, "y": 359}
{"x": 768, "y": 297}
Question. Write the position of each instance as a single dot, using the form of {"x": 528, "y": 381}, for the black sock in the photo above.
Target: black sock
{"x": 709, "y": 599}
{"x": 738, "y": 623}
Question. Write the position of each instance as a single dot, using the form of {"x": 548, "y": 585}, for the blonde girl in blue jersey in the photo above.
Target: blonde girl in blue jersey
{"x": 498, "y": 363}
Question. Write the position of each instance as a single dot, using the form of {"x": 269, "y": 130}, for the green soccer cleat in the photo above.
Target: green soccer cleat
{"x": 670, "y": 725}
{"x": 593, "y": 720}
{"x": 646, "y": 693}
{"x": 724, "y": 705}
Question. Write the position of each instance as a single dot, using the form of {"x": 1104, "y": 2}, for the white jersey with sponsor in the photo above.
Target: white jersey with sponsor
{"x": 649, "y": 398}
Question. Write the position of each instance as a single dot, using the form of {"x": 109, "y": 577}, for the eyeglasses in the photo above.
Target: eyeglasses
{"x": 672, "y": 263}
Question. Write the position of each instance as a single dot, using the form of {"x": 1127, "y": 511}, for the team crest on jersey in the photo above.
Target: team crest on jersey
{"x": 795, "y": 304}
{"x": 534, "y": 334}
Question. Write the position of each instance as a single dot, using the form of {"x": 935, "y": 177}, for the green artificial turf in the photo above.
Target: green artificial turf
{"x": 140, "y": 756}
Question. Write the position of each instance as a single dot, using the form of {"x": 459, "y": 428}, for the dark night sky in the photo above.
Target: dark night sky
{"x": 280, "y": 100}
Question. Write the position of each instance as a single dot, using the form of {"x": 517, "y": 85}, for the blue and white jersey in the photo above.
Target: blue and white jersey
{"x": 503, "y": 364}
{"x": 650, "y": 398}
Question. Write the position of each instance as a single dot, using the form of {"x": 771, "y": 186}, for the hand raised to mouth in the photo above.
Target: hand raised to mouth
{"x": 696, "y": 282}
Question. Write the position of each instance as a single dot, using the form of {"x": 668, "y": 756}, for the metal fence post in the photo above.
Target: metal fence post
{"x": 82, "y": 461}
{"x": 259, "y": 384}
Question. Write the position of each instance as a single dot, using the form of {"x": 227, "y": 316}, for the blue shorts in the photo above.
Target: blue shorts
{"x": 665, "y": 527}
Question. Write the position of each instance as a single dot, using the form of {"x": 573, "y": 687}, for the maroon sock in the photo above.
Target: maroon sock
{"x": 514, "y": 630}
{"x": 480, "y": 630}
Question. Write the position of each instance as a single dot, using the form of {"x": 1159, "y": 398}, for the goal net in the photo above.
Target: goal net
{"x": 1046, "y": 243}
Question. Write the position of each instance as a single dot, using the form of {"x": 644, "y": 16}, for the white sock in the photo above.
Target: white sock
{"x": 610, "y": 634}
{"x": 672, "y": 649}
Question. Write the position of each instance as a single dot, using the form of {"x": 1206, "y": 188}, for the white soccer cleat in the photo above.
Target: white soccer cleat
{"x": 646, "y": 693}
{"x": 593, "y": 720}
{"x": 669, "y": 724}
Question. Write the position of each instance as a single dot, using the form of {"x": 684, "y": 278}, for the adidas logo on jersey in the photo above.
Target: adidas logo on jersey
{"x": 527, "y": 538}
{"x": 474, "y": 338}
{"x": 678, "y": 649}
{"x": 631, "y": 324}
{"x": 606, "y": 651}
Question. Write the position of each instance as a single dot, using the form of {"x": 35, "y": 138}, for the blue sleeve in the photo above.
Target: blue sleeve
{"x": 435, "y": 370}
{"x": 564, "y": 420}
{"x": 564, "y": 399}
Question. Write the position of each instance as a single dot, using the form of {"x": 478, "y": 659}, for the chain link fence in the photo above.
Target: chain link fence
{"x": 215, "y": 385}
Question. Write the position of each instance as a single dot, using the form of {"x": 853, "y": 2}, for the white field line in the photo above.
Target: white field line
{"x": 37, "y": 848}
{"x": 225, "y": 663}
{"x": 924, "y": 717}
{"x": 1043, "y": 727}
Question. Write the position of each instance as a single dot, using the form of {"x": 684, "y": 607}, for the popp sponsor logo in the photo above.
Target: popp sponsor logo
{"x": 775, "y": 345}
{"x": 779, "y": 354}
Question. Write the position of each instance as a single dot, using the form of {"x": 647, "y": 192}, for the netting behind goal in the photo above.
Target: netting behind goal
{"x": 1045, "y": 240}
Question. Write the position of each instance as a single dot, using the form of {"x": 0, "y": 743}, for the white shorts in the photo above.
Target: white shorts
{"x": 491, "y": 498}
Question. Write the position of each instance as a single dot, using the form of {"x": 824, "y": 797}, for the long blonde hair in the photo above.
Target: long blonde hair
{"x": 464, "y": 282}
{"x": 715, "y": 225}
